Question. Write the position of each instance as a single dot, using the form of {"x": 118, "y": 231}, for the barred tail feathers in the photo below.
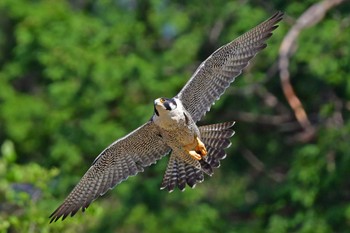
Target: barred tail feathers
{"x": 180, "y": 172}
{"x": 182, "y": 169}
{"x": 216, "y": 138}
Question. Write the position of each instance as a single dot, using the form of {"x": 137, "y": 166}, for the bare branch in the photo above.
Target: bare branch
{"x": 309, "y": 18}
{"x": 262, "y": 119}
{"x": 260, "y": 166}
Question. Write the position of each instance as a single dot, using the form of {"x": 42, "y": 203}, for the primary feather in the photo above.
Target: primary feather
{"x": 220, "y": 69}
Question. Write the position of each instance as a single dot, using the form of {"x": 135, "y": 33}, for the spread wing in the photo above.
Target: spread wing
{"x": 125, "y": 157}
{"x": 221, "y": 68}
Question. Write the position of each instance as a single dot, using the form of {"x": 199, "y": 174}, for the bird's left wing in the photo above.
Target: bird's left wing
{"x": 220, "y": 69}
{"x": 125, "y": 157}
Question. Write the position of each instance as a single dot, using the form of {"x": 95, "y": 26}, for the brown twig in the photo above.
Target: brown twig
{"x": 276, "y": 120}
{"x": 216, "y": 31}
{"x": 259, "y": 166}
{"x": 309, "y": 18}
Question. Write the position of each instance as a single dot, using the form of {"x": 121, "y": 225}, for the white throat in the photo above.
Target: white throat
{"x": 169, "y": 118}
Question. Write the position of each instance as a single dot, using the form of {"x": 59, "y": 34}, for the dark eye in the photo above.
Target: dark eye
{"x": 162, "y": 100}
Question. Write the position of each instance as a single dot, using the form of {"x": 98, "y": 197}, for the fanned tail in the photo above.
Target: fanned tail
{"x": 180, "y": 172}
{"x": 216, "y": 138}
{"x": 182, "y": 169}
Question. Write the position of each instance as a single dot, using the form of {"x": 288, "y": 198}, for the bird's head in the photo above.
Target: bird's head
{"x": 164, "y": 104}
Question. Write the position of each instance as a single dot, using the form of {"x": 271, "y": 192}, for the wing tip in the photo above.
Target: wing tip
{"x": 55, "y": 215}
{"x": 62, "y": 213}
{"x": 278, "y": 16}
{"x": 272, "y": 23}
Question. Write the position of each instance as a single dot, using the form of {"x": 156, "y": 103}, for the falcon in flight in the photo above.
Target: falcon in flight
{"x": 172, "y": 129}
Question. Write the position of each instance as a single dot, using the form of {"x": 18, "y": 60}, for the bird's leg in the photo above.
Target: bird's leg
{"x": 196, "y": 149}
{"x": 194, "y": 155}
{"x": 200, "y": 148}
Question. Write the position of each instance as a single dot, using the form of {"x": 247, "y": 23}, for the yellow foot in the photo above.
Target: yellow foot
{"x": 194, "y": 155}
{"x": 199, "y": 149}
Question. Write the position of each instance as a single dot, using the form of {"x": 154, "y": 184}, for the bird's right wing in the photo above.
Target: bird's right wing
{"x": 221, "y": 68}
{"x": 125, "y": 157}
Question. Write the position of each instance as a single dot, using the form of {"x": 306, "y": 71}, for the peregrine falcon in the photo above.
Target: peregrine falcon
{"x": 172, "y": 129}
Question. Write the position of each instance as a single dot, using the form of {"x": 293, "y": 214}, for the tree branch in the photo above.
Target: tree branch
{"x": 310, "y": 17}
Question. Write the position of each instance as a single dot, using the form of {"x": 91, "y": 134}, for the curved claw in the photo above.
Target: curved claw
{"x": 199, "y": 149}
{"x": 195, "y": 155}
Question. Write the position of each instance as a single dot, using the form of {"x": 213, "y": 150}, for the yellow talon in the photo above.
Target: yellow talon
{"x": 194, "y": 155}
{"x": 199, "y": 149}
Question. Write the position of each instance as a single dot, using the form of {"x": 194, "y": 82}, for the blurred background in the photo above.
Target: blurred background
{"x": 77, "y": 75}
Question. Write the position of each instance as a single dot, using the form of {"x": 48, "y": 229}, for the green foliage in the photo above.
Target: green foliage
{"x": 76, "y": 75}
